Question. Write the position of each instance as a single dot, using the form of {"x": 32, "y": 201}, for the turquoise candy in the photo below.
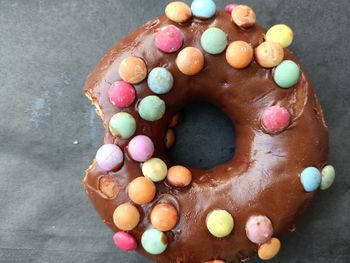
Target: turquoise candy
{"x": 122, "y": 125}
{"x": 160, "y": 80}
{"x": 203, "y": 8}
{"x": 151, "y": 108}
{"x": 328, "y": 176}
{"x": 310, "y": 179}
{"x": 154, "y": 241}
{"x": 214, "y": 40}
{"x": 287, "y": 74}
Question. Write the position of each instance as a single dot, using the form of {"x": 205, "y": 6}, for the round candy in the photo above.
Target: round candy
{"x": 239, "y": 54}
{"x": 220, "y": 223}
{"x": 229, "y": 8}
{"x": 310, "y": 179}
{"x": 154, "y": 241}
{"x": 121, "y": 94}
{"x": 122, "y": 125}
{"x": 164, "y": 217}
{"x": 126, "y": 217}
{"x": 269, "y": 54}
{"x": 155, "y": 169}
{"x": 269, "y": 249}
{"x": 287, "y": 74}
{"x": 160, "y": 80}
{"x": 124, "y": 241}
{"x": 169, "y": 138}
{"x": 328, "y": 176}
{"x": 214, "y": 40}
{"x": 259, "y": 229}
{"x": 281, "y": 34}
{"x": 141, "y": 148}
{"x": 109, "y": 157}
{"x": 179, "y": 176}
{"x": 243, "y": 16}
{"x": 133, "y": 70}
{"x": 190, "y": 61}
{"x": 275, "y": 119}
{"x": 169, "y": 39}
{"x": 203, "y": 8}
{"x": 151, "y": 108}
{"x": 178, "y": 12}
{"x": 216, "y": 261}
{"x": 141, "y": 190}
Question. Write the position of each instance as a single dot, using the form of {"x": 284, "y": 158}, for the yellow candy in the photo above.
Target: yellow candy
{"x": 270, "y": 249}
{"x": 281, "y": 34}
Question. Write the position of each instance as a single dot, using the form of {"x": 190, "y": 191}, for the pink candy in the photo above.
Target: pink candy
{"x": 141, "y": 148}
{"x": 259, "y": 229}
{"x": 109, "y": 157}
{"x": 229, "y": 8}
{"x": 121, "y": 94}
{"x": 169, "y": 39}
{"x": 275, "y": 119}
{"x": 124, "y": 241}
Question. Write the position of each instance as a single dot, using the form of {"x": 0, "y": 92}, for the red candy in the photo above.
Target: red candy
{"x": 124, "y": 241}
{"x": 169, "y": 39}
{"x": 121, "y": 94}
{"x": 275, "y": 119}
{"x": 229, "y": 8}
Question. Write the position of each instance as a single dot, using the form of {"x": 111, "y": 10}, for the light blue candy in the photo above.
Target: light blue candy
{"x": 154, "y": 241}
{"x": 203, "y": 8}
{"x": 160, "y": 80}
{"x": 310, "y": 179}
{"x": 287, "y": 74}
{"x": 214, "y": 40}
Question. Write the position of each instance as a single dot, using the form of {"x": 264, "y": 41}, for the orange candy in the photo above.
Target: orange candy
{"x": 269, "y": 249}
{"x": 141, "y": 190}
{"x": 190, "y": 61}
{"x": 164, "y": 217}
{"x": 216, "y": 261}
{"x": 239, "y": 54}
{"x": 133, "y": 70}
{"x": 269, "y": 54}
{"x": 126, "y": 217}
{"x": 243, "y": 16}
{"x": 178, "y": 12}
{"x": 169, "y": 138}
{"x": 179, "y": 176}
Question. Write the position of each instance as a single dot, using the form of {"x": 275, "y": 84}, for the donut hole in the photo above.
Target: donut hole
{"x": 205, "y": 137}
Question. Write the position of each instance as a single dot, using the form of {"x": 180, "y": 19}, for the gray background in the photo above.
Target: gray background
{"x": 46, "y": 50}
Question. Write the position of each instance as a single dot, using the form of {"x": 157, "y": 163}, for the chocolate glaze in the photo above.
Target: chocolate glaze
{"x": 263, "y": 176}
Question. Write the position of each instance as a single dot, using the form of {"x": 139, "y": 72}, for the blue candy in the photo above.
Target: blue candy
{"x": 310, "y": 179}
{"x": 160, "y": 80}
{"x": 203, "y": 8}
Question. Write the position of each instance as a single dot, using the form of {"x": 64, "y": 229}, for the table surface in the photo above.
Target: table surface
{"x": 46, "y": 50}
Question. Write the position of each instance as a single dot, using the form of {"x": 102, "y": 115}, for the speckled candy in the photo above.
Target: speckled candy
{"x": 155, "y": 169}
{"x": 179, "y": 176}
{"x": 109, "y": 157}
{"x": 121, "y": 94}
{"x": 178, "y": 12}
{"x": 151, "y": 108}
{"x": 154, "y": 241}
{"x": 141, "y": 190}
{"x": 122, "y": 125}
{"x": 169, "y": 39}
{"x": 287, "y": 74}
{"x": 203, "y": 8}
{"x": 243, "y": 16}
{"x": 126, "y": 217}
{"x": 275, "y": 119}
{"x": 328, "y": 176}
{"x": 310, "y": 179}
{"x": 281, "y": 34}
{"x": 229, "y": 8}
{"x": 160, "y": 80}
{"x": 164, "y": 217}
{"x": 269, "y": 249}
{"x": 124, "y": 241}
{"x": 133, "y": 70}
{"x": 269, "y": 54}
{"x": 259, "y": 229}
{"x": 220, "y": 223}
{"x": 239, "y": 54}
{"x": 190, "y": 61}
{"x": 214, "y": 40}
{"x": 141, "y": 148}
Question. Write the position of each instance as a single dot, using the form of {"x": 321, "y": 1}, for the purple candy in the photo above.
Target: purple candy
{"x": 259, "y": 229}
{"x": 124, "y": 241}
{"x": 109, "y": 157}
{"x": 141, "y": 148}
{"x": 229, "y": 8}
{"x": 169, "y": 39}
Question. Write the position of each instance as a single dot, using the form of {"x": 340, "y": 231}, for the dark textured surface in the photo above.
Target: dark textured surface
{"x": 46, "y": 50}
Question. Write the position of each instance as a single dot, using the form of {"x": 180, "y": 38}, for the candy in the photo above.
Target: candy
{"x": 203, "y": 8}
{"x": 155, "y": 169}
{"x": 269, "y": 249}
{"x": 178, "y": 12}
{"x": 190, "y": 61}
{"x": 269, "y": 54}
{"x": 174, "y": 120}
{"x": 169, "y": 138}
{"x": 109, "y": 157}
{"x": 108, "y": 187}
{"x": 151, "y": 108}
{"x": 122, "y": 125}
{"x": 328, "y": 176}
{"x": 243, "y": 16}
{"x": 126, "y": 217}
{"x": 133, "y": 70}
{"x": 259, "y": 229}
{"x": 220, "y": 223}
{"x": 275, "y": 119}
{"x": 160, "y": 80}
{"x": 154, "y": 241}
{"x": 124, "y": 241}
{"x": 169, "y": 39}
{"x": 179, "y": 176}
{"x": 230, "y": 7}
{"x": 140, "y": 148}
{"x": 287, "y": 74}
{"x": 281, "y": 34}
{"x": 164, "y": 217}
{"x": 239, "y": 54}
{"x": 141, "y": 190}
{"x": 214, "y": 40}
{"x": 121, "y": 94}
{"x": 310, "y": 179}
{"x": 216, "y": 261}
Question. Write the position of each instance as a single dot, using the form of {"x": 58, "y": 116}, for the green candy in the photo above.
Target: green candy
{"x": 155, "y": 169}
{"x": 151, "y": 108}
{"x": 214, "y": 40}
{"x": 287, "y": 74}
{"x": 328, "y": 176}
{"x": 220, "y": 223}
{"x": 154, "y": 241}
{"x": 122, "y": 125}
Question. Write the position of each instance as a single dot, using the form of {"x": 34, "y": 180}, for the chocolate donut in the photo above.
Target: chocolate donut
{"x": 238, "y": 209}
